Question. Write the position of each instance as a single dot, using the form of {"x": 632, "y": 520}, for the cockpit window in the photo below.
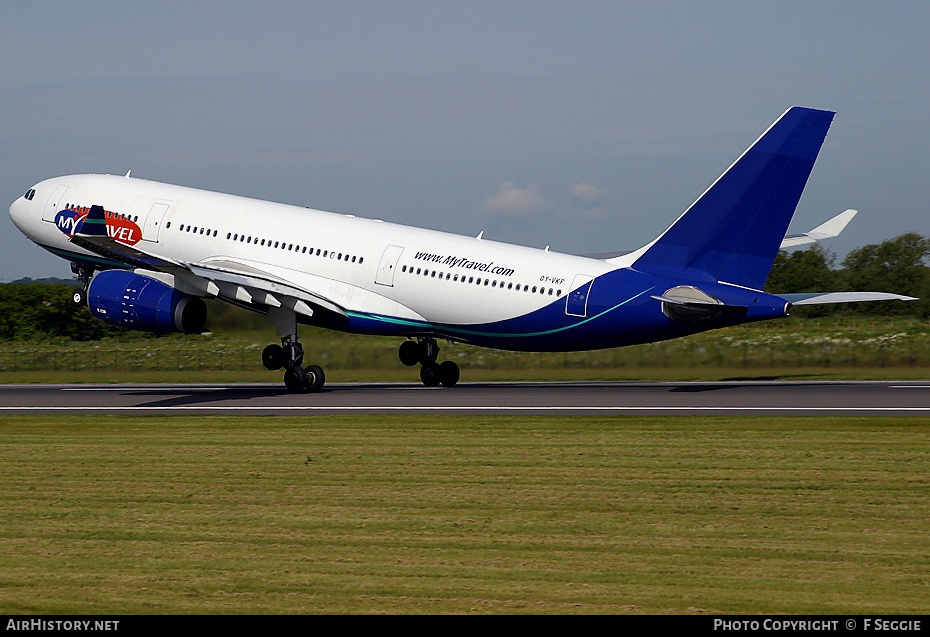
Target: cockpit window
{"x": 30, "y": 194}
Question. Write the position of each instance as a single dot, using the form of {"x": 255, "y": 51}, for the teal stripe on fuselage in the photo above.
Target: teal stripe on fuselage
{"x": 445, "y": 329}
{"x": 85, "y": 258}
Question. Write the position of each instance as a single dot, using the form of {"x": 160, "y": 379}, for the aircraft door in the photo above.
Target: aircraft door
{"x": 389, "y": 259}
{"x": 54, "y": 203}
{"x": 576, "y": 304}
{"x": 153, "y": 220}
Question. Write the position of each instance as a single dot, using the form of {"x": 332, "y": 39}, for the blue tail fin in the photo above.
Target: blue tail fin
{"x": 733, "y": 231}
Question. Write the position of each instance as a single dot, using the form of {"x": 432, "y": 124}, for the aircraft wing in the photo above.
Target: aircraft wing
{"x": 250, "y": 285}
{"x": 603, "y": 256}
{"x": 826, "y": 230}
{"x": 91, "y": 234}
{"x": 229, "y": 279}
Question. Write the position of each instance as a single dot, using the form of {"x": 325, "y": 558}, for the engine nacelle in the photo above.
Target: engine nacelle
{"x": 136, "y": 302}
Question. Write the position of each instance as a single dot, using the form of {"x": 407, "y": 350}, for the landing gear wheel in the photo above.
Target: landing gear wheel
{"x": 295, "y": 379}
{"x": 425, "y": 351}
{"x": 315, "y": 378}
{"x": 448, "y": 373}
{"x": 429, "y": 374}
{"x": 290, "y": 354}
{"x": 273, "y": 357}
{"x": 85, "y": 274}
{"x": 409, "y": 353}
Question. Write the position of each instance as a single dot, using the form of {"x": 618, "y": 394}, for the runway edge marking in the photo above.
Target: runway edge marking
{"x": 465, "y": 408}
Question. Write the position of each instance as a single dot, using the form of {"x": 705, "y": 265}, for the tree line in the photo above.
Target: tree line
{"x": 36, "y": 310}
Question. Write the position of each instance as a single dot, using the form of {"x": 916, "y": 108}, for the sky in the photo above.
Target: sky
{"x": 583, "y": 125}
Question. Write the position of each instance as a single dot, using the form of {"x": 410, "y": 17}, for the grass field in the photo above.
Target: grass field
{"x": 836, "y": 347}
{"x": 831, "y": 348}
{"x": 431, "y": 514}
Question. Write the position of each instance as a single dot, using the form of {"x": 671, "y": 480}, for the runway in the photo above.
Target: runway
{"x": 870, "y": 398}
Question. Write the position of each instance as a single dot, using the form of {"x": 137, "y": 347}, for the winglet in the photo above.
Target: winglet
{"x": 94, "y": 224}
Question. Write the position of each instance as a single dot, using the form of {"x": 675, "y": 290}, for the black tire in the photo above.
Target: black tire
{"x": 295, "y": 379}
{"x": 273, "y": 357}
{"x": 449, "y": 373}
{"x": 409, "y": 353}
{"x": 315, "y": 378}
{"x": 79, "y": 297}
{"x": 429, "y": 374}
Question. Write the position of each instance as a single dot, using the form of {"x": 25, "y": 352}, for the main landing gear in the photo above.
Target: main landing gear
{"x": 290, "y": 355}
{"x": 425, "y": 351}
{"x": 297, "y": 378}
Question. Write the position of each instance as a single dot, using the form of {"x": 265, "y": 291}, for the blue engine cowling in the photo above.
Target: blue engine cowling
{"x": 137, "y": 302}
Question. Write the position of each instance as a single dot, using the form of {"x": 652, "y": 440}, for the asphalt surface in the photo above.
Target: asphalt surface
{"x": 888, "y": 398}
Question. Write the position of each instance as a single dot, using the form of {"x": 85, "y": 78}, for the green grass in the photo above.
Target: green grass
{"x": 829, "y": 348}
{"x": 445, "y": 514}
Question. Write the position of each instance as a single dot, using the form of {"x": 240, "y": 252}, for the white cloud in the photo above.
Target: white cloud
{"x": 587, "y": 202}
{"x": 588, "y": 193}
{"x": 512, "y": 200}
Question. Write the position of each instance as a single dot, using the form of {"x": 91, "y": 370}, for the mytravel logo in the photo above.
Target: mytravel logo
{"x": 68, "y": 220}
{"x": 465, "y": 264}
{"x": 119, "y": 227}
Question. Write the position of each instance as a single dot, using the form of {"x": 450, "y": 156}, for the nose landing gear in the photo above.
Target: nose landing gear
{"x": 425, "y": 351}
{"x": 84, "y": 274}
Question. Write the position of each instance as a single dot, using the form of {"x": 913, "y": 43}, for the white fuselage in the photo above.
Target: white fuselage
{"x": 361, "y": 265}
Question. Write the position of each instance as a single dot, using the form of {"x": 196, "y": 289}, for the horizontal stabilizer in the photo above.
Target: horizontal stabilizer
{"x": 696, "y": 304}
{"x": 827, "y": 230}
{"x": 822, "y": 298}
{"x": 687, "y": 304}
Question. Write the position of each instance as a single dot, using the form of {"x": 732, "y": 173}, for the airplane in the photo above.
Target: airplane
{"x": 148, "y": 253}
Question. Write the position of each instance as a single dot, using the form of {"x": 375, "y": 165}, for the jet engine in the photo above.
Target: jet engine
{"x": 137, "y": 302}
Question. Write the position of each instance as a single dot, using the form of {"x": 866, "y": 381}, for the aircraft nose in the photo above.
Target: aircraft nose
{"x": 19, "y": 212}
